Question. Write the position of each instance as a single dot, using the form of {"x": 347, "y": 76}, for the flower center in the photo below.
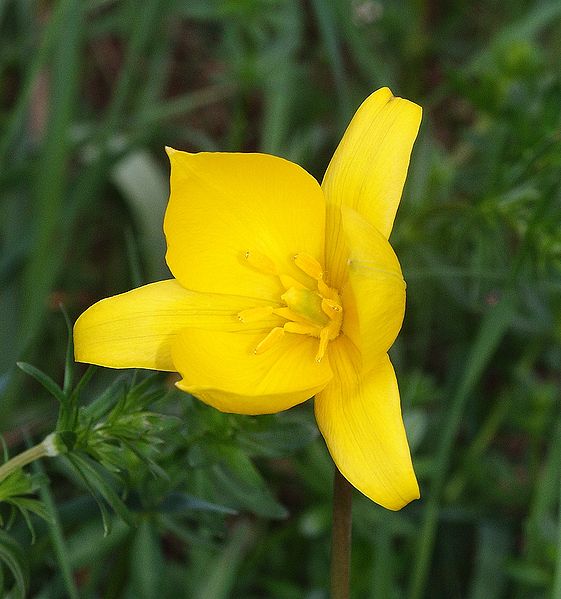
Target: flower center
{"x": 313, "y": 310}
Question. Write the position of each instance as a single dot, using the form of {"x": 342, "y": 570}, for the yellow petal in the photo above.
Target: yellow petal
{"x": 136, "y": 329}
{"x": 368, "y": 170}
{"x": 225, "y": 208}
{"x": 222, "y": 370}
{"x": 374, "y": 292}
{"x": 360, "y": 420}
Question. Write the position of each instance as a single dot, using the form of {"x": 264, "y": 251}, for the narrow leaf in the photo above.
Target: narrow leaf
{"x": 13, "y": 556}
{"x": 43, "y": 379}
{"x": 69, "y": 361}
{"x": 97, "y": 481}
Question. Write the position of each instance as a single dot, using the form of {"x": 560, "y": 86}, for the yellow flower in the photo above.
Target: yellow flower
{"x": 283, "y": 290}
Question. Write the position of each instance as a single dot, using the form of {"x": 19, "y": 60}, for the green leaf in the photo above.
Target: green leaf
{"x": 278, "y": 435}
{"x": 489, "y": 577}
{"x": 103, "y": 404}
{"x": 86, "y": 377}
{"x": 491, "y": 331}
{"x": 87, "y": 544}
{"x": 239, "y": 480}
{"x": 69, "y": 361}
{"x": 56, "y": 533}
{"x": 17, "y": 483}
{"x": 68, "y": 417}
{"x": 43, "y": 379}
{"x": 5, "y": 452}
{"x": 97, "y": 484}
{"x": 182, "y": 502}
{"x": 146, "y": 562}
{"x": 13, "y": 556}
{"x": 33, "y": 505}
{"x": 105, "y": 516}
{"x": 25, "y": 515}
{"x": 220, "y": 573}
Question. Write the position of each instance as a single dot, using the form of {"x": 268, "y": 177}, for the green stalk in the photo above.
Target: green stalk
{"x": 47, "y": 448}
{"x": 556, "y": 589}
{"x": 341, "y": 537}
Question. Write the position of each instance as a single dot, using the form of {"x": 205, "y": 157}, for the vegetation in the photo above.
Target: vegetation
{"x": 157, "y": 495}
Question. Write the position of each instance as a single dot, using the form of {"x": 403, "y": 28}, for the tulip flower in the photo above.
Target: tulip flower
{"x": 283, "y": 290}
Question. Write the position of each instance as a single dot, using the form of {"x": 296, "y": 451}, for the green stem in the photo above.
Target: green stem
{"x": 556, "y": 590}
{"x": 341, "y": 537}
{"x": 47, "y": 447}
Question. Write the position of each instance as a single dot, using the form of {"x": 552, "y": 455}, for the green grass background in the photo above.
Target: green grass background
{"x": 91, "y": 91}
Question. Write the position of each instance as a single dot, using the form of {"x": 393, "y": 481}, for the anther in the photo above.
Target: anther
{"x": 260, "y": 262}
{"x": 323, "y": 341}
{"x": 274, "y": 335}
{"x": 287, "y": 282}
{"x": 331, "y": 308}
{"x": 309, "y": 265}
{"x": 324, "y": 289}
{"x": 255, "y": 314}
{"x": 316, "y": 313}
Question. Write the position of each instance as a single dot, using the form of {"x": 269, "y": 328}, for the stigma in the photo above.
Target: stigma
{"x": 312, "y": 309}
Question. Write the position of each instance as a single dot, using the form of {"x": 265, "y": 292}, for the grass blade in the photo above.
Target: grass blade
{"x": 492, "y": 330}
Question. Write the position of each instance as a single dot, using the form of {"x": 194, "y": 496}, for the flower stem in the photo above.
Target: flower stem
{"x": 556, "y": 586}
{"x": 47, "y": 447}
{"x": 341, "y": 537}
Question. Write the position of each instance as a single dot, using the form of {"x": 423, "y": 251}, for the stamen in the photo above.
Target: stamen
{"x": 290, "y": 315}
{"x": 309, "y": 265}
{"x": 301, "y": 328}
{"x": 255, "y": 314}
{"x": 260, "y": 262}
{"x": 274, "y": 335}
{"x": 288, "y": 282}
{"x": 306, "y": 311}
{"x": 331, "y": 308}
{"x": 324, "y": 289}
{"x": 323, "y": 341}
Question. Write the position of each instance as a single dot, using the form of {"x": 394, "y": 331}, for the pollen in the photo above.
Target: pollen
{"x": 313, "y": 309}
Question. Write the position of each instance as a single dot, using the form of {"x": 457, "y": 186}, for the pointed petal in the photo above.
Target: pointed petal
{"x": 374, "y": 292}
{"x": 360, "y": 420}
{"x": 136, "y": 329}
{"x": 222, "y": 370}
{"x": 224, "y": 205}
{"x": 368, "y": 170}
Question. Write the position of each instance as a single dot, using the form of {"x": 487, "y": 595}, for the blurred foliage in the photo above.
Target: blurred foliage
{"x": 227, "y": 506}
